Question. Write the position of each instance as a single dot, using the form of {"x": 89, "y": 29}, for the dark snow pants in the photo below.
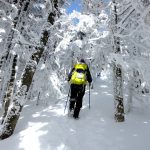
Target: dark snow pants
{"x": 76, "y": 98}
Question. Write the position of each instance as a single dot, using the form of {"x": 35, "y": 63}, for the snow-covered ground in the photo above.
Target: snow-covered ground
{"x": 42, "y": 128}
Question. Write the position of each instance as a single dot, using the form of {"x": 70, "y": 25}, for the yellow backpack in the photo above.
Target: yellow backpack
{"x": 79, "y": 74}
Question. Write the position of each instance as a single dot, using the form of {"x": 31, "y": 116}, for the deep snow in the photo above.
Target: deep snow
{"x": 48, "y": 128}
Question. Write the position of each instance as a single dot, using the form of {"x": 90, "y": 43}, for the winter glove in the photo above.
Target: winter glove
{"x": 68, "y": 79}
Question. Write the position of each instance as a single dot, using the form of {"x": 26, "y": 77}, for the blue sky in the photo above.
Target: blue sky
{"x": 76, "y": 5}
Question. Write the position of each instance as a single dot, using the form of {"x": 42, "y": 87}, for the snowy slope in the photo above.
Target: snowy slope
{"x": 42, "y": 128}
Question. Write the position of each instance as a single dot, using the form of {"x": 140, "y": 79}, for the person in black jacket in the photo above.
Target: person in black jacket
{"x": 78, "y": 87}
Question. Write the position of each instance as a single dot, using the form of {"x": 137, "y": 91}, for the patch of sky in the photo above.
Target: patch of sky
{"x": 75, "y": 5}
{"x": 75, "y": 21}
{"x": 106, "y": 1}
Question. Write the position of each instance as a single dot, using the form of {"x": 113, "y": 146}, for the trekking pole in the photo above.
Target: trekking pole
{"x": 67, "y": 99}
{"x": 89, "y": 96}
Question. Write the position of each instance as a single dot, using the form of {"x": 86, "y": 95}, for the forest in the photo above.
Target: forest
{"x": 40, "y": 42}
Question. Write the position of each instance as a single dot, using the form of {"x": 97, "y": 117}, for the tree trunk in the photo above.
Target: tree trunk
{"x": 26, "y": 80}
{"x": 22, "y": 5}
{"x": 117, "y": 71}
{"x": 129, "y": 100}
{"x": 17, "y": 104}
{"x": 118, "y": 93}
{"x": 5, "y": 60}
{"x": 9, "y": 92}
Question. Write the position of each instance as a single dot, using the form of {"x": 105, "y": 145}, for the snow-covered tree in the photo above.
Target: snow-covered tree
{"x": 117, "y": 69}
{"x": 26, "y": 78}
{"x": 133, "y": 36}
{"x": 40, "y": 42}
{"x": 7, "y": 88}
{"x": 75, "y": 35}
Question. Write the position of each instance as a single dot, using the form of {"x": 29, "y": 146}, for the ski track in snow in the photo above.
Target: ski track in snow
{"x": 50, "y": 129}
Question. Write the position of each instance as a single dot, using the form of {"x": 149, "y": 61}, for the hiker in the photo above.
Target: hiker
{"x": 78, "y": 78}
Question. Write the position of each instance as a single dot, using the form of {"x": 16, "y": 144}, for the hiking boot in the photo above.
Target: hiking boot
{"x": 76, "y": 118}
{"x": 76, "y": 113}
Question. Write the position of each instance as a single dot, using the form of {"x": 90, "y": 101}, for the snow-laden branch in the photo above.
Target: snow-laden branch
{"x": 138, "y": 44}
{"x": 7, "y": 3}
{"x": 124, "y": 10}
{"x": 26, "y": 43}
